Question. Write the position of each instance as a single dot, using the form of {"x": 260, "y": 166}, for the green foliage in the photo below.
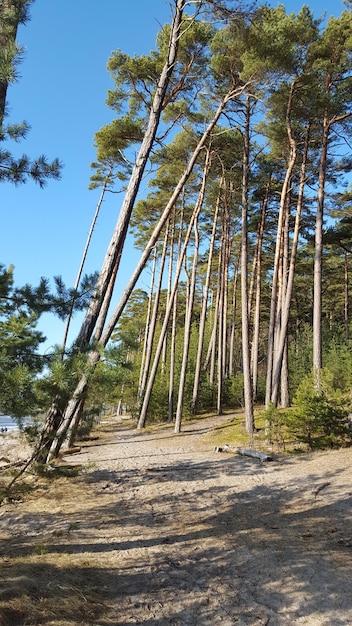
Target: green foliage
{"x": 17, "y": 170}
{"x": 236, "y": 390}
{"x": 19, "y": 340}
{"x": 338, "y": 361}
{"x": 22, "y": 392}
{"x": 318, "y": 420}
{"x": 275, "y": 420}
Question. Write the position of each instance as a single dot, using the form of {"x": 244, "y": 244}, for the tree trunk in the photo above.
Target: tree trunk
{"x": 256, "y": 317}
{"x": 170, "y": 414}
{"x": 289, "y": 287}
{"x": 233, "y": 318}
{"x": 116, "y": 245}
{"x": 147, "y": 324}
{"x": 203, "y": 314}
{"x": 278, "y": 248}
{"x": 84, "y": 256}
{"x": 94, "y": 355}
{"x": 152, "y": 327}
{"x": 318, "y": 257}
{"x": 188, "y": 328}
{"x": 346, "y": 306}
{"x": 246, "y": 361}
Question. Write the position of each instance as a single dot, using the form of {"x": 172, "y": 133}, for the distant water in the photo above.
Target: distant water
{"x": 9, "y": 423}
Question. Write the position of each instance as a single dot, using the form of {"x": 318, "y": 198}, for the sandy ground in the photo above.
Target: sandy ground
{"x": 161, "y": 530}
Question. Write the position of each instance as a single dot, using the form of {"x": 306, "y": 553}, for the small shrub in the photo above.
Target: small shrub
{"x": 275, "y": 420}
{"x": 317, "y": 419}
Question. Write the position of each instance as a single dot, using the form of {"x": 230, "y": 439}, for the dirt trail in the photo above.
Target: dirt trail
{"x": 160, "y": 530}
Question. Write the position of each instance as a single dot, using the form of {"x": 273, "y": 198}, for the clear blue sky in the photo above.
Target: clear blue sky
{"x": 61, "y": 94}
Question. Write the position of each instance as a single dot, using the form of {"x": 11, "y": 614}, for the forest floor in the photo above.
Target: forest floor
{"x": 162, "y": 530}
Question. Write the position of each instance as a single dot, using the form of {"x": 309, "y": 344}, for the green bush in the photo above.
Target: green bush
{"x": 275, "y": 421}
{"x": 319, "y": 419}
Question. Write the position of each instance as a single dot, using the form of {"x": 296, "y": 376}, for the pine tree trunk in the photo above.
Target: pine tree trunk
{"x": 256, "y": 317}
{"x": 203, "y": 315}
{"x": 151, "y": 333}
{"x": 291, "y": 273}
{"x": 346, "y": 291}
{"x": 170, "y": 413}
{"x": 150, "y": 384}
{"x": 188, "y": 328}
{"x": 233, "y": 318}
{"x": 246, "y": 361}
{"x": 278, "y": 249}
{"x": 147, "y": 324}
{"x": 83, "y": 260}
{"x": 116, "y": 245}
{"x": 318, "y": 257}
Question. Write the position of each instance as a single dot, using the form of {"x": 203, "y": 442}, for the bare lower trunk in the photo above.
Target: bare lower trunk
{"x": 203, "y": 315}
{"x": 289, "y": 286}
{"x": 318, "y": 258}
{"x": 256, "y": 317}
{"x": 187, "y": 332}
{"x": 147, "y": 325}
{"x": 152, "y": 326}
{"x": 246, "y": 361}
{"x": 278, "y": 249}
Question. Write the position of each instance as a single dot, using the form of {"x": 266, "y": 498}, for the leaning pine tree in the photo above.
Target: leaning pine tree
{"x": 57, "y": 422}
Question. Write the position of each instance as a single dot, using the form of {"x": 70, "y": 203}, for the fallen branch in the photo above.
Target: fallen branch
{"x": 319, "y": 488}
{"x": 10, "y": 465}
{"x": 255, "y": 454}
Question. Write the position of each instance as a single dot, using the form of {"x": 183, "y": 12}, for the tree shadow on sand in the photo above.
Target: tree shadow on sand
{"x": 216, "y": 543}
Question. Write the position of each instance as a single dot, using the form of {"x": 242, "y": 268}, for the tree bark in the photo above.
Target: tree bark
{"x": 256, "y": 317}
{"x": 291, "y": 273}
{"x": 278, "y": 248}
{"x": 116, "y": 245}
{"x": 152, "y": 326}
{"x": 188, "y": 328}
{"x": 246, "y": 361}
{"x": 203, "y": 315}
{"x": 94, "y": 355}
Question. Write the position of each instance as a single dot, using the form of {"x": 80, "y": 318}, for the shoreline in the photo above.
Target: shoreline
{"x": 14, "y": 447}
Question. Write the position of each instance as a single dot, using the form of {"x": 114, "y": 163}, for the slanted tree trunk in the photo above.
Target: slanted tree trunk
{"x": 84, "y": 256}
{"x": 203, "y": 315}
{"x": 278, "y": 249}
{"x": 94, "y": 354}
{"x": 147, "y": 323}
{"x": 152, "y": 327}
{"x": 149, "y": 387}
{"x": 117, "y": 242}
{"x": 171, "y": 228}
{"x": 282, "y": 343}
